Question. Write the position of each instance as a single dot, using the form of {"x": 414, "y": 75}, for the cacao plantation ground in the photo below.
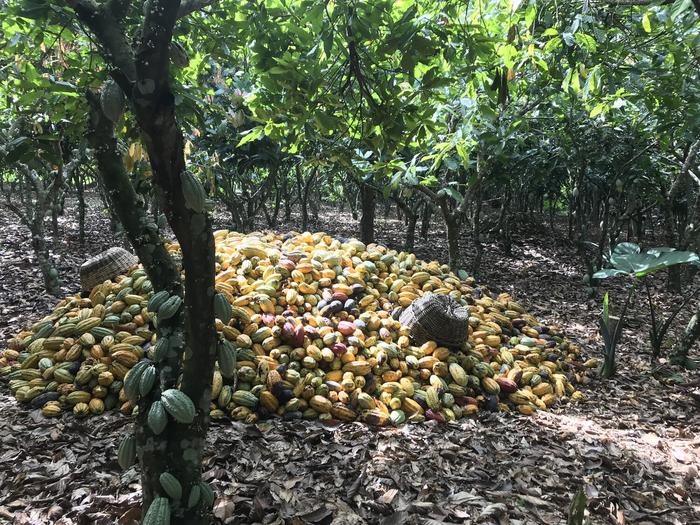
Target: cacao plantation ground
{"x": 633, "y": 445}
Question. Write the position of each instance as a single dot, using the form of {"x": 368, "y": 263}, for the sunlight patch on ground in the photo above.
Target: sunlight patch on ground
{"x": 678, "y": 455}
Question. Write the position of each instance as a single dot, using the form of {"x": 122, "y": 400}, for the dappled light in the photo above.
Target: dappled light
{"x": 341, "y": 263}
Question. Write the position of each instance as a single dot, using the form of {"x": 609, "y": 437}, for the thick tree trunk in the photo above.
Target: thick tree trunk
{"x": 178, "y": 449}
{"x": 369, "y": 207}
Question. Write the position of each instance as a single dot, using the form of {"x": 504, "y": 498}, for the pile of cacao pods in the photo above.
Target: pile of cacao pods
{"x": 308, "y": 329}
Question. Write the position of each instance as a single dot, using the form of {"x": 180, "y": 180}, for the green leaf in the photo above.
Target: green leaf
{"x": 578, "y": 505}
{"x": 646, "y": 23}
{"x": 250, "y": 136}
{"x": 606, "y": 308}
{"x": 608, "y": 272}
{"x": 626, "y": 248}
{"x": 597, "y": 110}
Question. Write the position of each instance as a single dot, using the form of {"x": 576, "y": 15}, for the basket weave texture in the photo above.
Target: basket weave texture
{"x": 104, "y": 266}
{"x": 438, "y": 318}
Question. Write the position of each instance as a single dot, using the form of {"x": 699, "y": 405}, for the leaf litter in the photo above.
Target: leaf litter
{"x": 633, "y": 446}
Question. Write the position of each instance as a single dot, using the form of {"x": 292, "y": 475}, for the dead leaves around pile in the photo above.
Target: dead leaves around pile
{"x": 494, "y": 470}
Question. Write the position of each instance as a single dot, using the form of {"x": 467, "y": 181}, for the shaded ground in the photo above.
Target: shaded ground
{"x": 633, "y": 446}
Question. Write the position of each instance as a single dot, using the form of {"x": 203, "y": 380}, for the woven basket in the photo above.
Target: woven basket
{"x": 104, "y": 266}
{"x": 438, "y": 318}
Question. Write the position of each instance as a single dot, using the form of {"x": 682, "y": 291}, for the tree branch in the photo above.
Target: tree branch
{"x": 142, "y": 232}
{"x": 104, "y": 24}
{"x": 427, "y": 192}
{"x": 153, "y": 53}
{"x": 190, "y": 6}
{"x": 118, "y": 8}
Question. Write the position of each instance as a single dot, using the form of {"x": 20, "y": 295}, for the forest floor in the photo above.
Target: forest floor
{"x": 633, "y": 445}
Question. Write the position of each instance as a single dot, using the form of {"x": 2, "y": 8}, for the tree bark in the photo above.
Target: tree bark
{"x": 425, "y": 220}
{"x": 453, "y": 242}
{"x": 144, "y": 76}
{"x": 41, "y": 252}
{"x": 82, "y": 206}
{"x": 368, "y": 202}
{"x": 411, "y": 221}
{"x": 303, "y": 195}
{"x": 476, "y": 218}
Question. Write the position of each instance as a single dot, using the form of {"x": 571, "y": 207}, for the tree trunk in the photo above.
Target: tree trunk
{"x": 369, "y": 207}
{"x": 54, "y": 221}
{"x": 411, "y": 221}
{"x": 301, "y": 191}
{"x": 476, "y": 218}
{"x": 453, "y": 243}
{"x": 41, "y": 252}
{"x": 425, "y": 220}
{"x": 674, "y": 272}
{"x": 603, "y": 236}
{"x": 82, "y": 207}
{"x": 287, "y": 198}
{"x": 410, "y": 242}
{"x": 504, "y": 224}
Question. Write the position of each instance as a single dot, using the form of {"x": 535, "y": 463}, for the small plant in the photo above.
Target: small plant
{"x": 577, "y": 509}
{"x": 611, "y": 330}
{"x": 628, "y": 259}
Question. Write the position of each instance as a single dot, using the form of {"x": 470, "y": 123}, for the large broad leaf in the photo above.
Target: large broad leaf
{"x": 626, "y": 248}
{"x": 626, "y": 258}
{"x": 609, "y": 272}
{"x": 655, "y": 262}
{"x": 16, "y": 149}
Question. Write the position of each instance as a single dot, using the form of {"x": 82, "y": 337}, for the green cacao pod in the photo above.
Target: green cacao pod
{"x": 169, "y": 308}
{"x": 126, "y": 455}
{"x": 222, "y": 308}
{"x": 100, "y": 332}
{"x": 171, "y": 486}
{"x": 244, "y": 398}
{"x": 157, "y": 418}
{"x": 112, "y": 100}
{"x": 148, "y": 379}
{"x": 193, "y": 498}
{"x": 157, "y": 300}
{"x": 158, "y": 513}
{"x": 178, "y": 405}
{"x": 207, "y": 494}
{"x": 458, "y": 374}
{"x": 432, "y": 398}
{"x": 161, "y": 348}
{"x": 225, "y": 396}
{"x": 227, "y": 358}
{"x": 78, "y": 397}
{"x": 132, "y": 381}
{"x": 178, "y": 55}
{"x": 193, "y": 191}
{"x": 398, "y": 417}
